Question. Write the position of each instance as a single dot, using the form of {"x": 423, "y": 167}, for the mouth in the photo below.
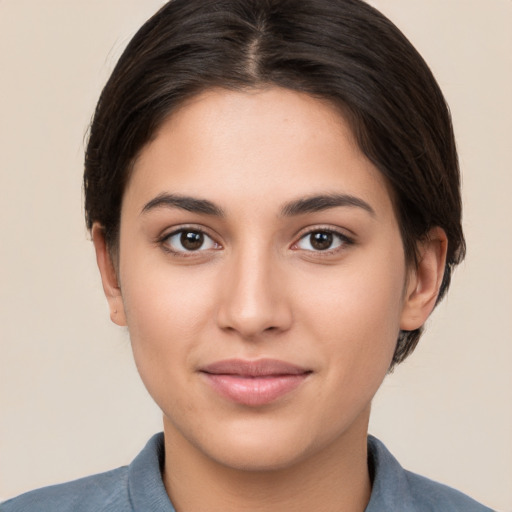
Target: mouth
{"x": 254, "y": 383}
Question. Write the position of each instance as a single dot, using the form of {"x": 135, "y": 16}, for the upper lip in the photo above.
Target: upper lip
{"x": 254, "y": 368}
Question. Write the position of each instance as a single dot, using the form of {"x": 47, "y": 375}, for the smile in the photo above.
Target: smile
{"x": 254, "y": 383}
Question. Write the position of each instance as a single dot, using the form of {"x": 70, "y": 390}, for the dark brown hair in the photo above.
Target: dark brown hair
{"x": 341, "y": 50}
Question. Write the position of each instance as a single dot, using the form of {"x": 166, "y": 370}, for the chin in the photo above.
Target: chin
{"x": 259, "y": 456}
{"x": 264, "y": 445}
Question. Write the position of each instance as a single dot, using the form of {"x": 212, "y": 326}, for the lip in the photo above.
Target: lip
{"x": 254, "y": 383}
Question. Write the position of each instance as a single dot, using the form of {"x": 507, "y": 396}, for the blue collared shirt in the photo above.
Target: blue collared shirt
{"x": 139, "y": 488}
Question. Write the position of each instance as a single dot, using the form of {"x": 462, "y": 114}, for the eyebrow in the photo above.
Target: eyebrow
{"x": 322, "y": 202}
{"x": 299, "y": 206}
{"x": 190, "y": 204}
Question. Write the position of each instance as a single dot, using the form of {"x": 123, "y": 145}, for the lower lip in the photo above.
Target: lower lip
{"x": 254, "y": 391}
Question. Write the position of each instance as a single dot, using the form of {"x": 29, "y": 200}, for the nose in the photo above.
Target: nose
{"x": 254, "y": 297}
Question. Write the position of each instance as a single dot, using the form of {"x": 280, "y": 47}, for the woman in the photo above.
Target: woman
{"x": 272, "y": 189}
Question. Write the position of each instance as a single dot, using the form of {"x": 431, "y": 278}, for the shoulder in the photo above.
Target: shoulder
{"x": 397, "y": 489}
{"x": 103, "y": 492}
{"x": 128, "y": 488}
{"x": 430, "y": 495}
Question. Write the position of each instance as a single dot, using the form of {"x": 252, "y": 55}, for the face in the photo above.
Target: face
{"x": 261, "y": 276}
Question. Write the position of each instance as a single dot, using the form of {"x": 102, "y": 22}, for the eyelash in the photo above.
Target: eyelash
{"x": 343, "y": 241}
{"x": 164, "y": 242}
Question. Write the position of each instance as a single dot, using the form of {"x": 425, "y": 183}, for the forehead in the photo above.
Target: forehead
{"x": 261, "y": 143}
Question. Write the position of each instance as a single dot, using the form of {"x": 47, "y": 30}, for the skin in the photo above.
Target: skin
{"x": 257, "y": 289}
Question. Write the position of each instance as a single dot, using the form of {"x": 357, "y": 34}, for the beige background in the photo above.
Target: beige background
{"x": 70, "y": 401}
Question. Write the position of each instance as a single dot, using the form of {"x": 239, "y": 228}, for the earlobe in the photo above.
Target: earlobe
{"x": 109, "y": 276}
{"x": 425, "y": 280}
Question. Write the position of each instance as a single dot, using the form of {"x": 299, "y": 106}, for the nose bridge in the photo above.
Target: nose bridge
{"x": 254, "y": 301}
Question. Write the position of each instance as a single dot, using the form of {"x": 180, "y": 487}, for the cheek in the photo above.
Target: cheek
{"x": 355, "y": 314}
{"x": 161, "y": 296}
{"x": 166, "y": 311}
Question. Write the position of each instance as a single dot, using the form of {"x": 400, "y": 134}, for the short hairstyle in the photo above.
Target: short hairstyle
{"x": 343, "y": 51}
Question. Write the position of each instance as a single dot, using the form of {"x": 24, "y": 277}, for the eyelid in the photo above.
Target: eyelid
{"x": 167, "y": 234}
{"x": 346, "y": 240}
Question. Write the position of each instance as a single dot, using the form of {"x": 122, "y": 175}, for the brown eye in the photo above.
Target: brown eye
{"x": 189, "y": 240}
{"x": 321, "y": 240}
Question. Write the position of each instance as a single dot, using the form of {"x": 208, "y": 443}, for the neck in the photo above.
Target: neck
{"x": 333, "y": 479}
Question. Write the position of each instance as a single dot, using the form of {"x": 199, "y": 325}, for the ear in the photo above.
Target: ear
{"x": 109, "y": 277}
{"x": 425, "y": 280}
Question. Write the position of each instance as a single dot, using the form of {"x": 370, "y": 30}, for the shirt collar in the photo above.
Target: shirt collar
{"x": 390, "y": 489}
{"x": 145, "y": 486}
